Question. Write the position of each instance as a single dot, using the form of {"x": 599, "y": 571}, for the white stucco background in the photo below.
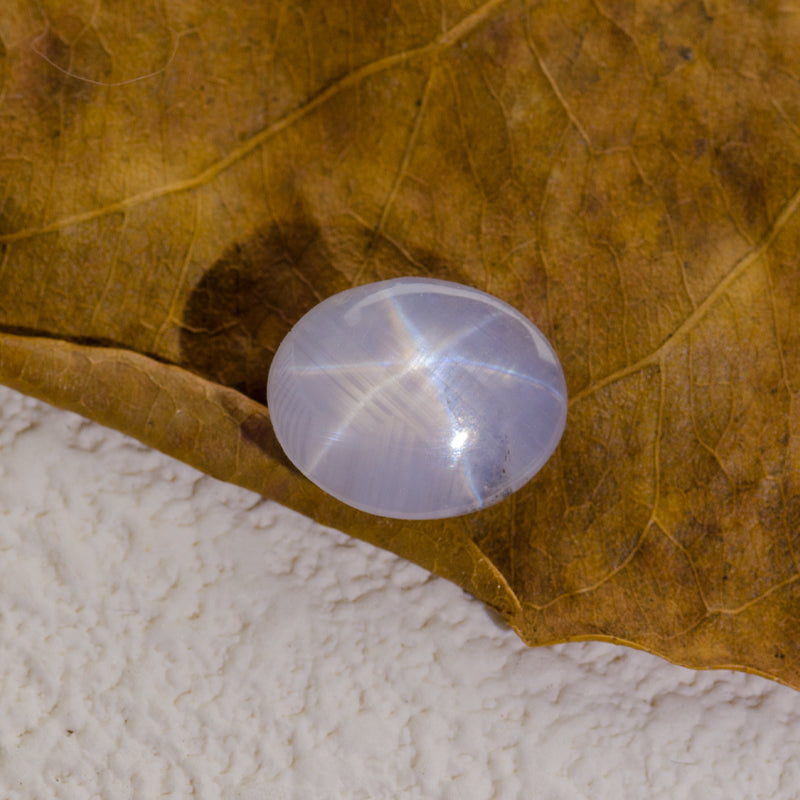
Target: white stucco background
{"x": 163, "y": 635}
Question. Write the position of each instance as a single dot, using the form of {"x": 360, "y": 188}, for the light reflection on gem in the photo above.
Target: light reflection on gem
{"x": 458, "y": 441}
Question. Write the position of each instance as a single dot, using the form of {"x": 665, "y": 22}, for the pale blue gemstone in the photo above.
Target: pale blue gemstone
{"x": 417, "y": 398}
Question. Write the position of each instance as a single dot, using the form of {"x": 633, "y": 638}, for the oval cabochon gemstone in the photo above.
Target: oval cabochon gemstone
{"x": 417, "y": 398}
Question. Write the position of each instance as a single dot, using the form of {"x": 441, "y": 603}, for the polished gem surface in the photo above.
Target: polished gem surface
{"x": 417, "y": 398}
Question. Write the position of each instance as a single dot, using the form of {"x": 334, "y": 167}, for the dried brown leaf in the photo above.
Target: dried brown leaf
{"x": 180, "y": 184}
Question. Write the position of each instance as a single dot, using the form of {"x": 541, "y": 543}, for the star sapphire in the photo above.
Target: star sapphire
{"x": 417, "y": 398}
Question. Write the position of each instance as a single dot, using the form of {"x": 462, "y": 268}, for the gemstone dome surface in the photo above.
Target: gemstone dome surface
{"x": 417, "y": 398}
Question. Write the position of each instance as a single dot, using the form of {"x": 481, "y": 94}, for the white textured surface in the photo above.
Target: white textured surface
{"x": 165, "y": 635}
